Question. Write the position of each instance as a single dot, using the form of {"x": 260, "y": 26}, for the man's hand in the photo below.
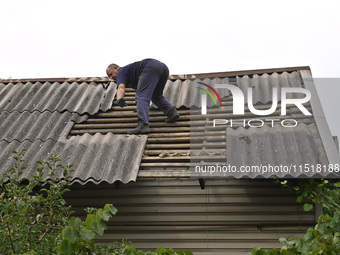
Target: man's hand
{"x": 121, "y": 102}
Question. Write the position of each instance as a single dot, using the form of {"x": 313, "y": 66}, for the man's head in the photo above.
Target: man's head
{"x": 112, "y": 71}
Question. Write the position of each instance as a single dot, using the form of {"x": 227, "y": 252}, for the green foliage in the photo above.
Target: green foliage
{"x": 323, "y": 192}
{"x": 77, "y": 237}
{"x": 130, "y": 250}
{"x": 324, "y": 238}
{"x": 31, "y": 218}
{"x": 37, "y": 220}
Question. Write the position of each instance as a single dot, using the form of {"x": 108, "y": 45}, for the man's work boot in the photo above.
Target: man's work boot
{"x": 141, "y": 129}
{"x": 172, "y": 115}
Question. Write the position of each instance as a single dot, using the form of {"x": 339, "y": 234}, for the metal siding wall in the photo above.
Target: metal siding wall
{"x": 228, "y": 217}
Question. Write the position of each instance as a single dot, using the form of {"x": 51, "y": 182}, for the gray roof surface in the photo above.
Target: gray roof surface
{"x": 276, "y": 146}
{"x": 84, "y": 97}
{"x": 34, "y": 125}
{"x": 262, "y": 85}
{"x": 179, "y": 94}
{"x": 58, "y": 116}
{"x": 97, "y": 158}
{"x": 38, "y": 115}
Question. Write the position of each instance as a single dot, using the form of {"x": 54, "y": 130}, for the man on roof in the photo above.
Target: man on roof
{"x": 148, "y": 77}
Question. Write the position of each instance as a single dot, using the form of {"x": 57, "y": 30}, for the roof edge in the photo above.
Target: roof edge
{"x": 72, "y": 79}
{"x": 238, "y": 73}
{"x": 332, "y": 152}
{"x": 171, "y": 77}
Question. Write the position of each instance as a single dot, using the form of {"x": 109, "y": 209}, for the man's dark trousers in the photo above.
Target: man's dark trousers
{"x": 150, "y": 86}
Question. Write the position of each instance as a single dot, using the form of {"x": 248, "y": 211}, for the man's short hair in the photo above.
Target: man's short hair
{"x": 111, "y": 66}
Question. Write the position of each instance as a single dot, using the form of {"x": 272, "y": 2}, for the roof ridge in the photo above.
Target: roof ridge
{"x": 61, "y": 79}
{"x": 238, "y": 73}
{"x": 171, "y": 77}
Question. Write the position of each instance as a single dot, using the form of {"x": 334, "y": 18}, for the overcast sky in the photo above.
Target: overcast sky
{"x": 76, "y": 38}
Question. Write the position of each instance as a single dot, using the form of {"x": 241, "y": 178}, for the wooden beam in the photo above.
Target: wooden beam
{"x": 163, "y": 174}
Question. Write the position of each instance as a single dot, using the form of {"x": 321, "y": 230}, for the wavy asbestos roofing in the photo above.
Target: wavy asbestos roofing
{"x": 99, "y": 158}
{"x": 275, "y": 147}
{"x": 35, "y": 125}
{"x": 78, "y": 107}
{"x": 37, "y": 115}
{"x": 84, "y": 97}
{"x": 184, "y": 93}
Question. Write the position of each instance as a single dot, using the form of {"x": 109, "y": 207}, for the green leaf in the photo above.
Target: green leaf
{"x": 66, "y": 248}
{"x": 91, "y": 245}
{"x": 89, "y": 219}
{"x": 112, "y": 209}
{"x": 188, "y": 252}
{"x": 70, "y": 234}
{"x": 335, "y": 225}
{"x": 86, "y": 234}
{"x": 336, "y": 238}
{"x": 150, "y": 253}
{"x": 75, "y": 222}
{"x": 104, "y": 214}
{"x": 99, "y": 226}
{"x": 284, "y": 182}
{"x": 321, "y": 227}
{"x": 299, "y": 199}
{"x": 129, "y": 250}
{"x": 307, "y": 207}
{"x": 95, "y": 223}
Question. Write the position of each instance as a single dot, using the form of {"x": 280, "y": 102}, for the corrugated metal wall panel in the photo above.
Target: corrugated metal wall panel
{"x": 228, "y": 217}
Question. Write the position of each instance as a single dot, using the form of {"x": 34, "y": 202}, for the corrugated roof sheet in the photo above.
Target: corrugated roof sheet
{"x": 106, "y": 158}
{"x": 58, "y": 96}
{"x": 262, "y": 85}
{"x": 185, "y": 93}
{"x": 181, "y": 93}
{"x": 265, "y": 146}
{"x": 58, "y": 115}
{"x": 97, "y": 158}
{"x": 37, "y": 115}
{"x": 276, "y": 146}
{"x": 35, "y": 125}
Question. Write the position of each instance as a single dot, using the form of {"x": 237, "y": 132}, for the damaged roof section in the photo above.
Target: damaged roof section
{"x": 38, "y": 115}
{"x": 171, "y": 147}
{"x": 77, "y": 119}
